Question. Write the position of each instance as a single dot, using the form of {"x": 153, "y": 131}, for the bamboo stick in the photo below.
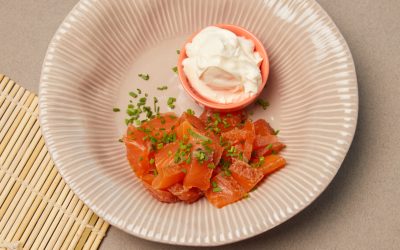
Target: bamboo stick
{"x": 7, "y": 166}
{"x": 17, "y": 140}
{"x": 17, "y": 127}
{"x": 47, "y": 189}
{"x": 39, "y": 215}
{"x": 94, "y": 232}
{"x": 7, "y": 90}
{"x": 75, "y": 226}
{"x": 3, "y": 80}
{"x": 56, "y": 220}
{"x": 23, "y": 166}
{"x": 86, "y": 232}
{"x": 15, "y": 118}
{"x": 80, "y": 227}
{"x": 49, "y": 220}
{"x": 10, "y": 211}
{"x": 28, "y": 200}
{"x": 17, "y": 211}
{"x": 99, "y": 237}
{"x": 9, "y": 114}
{"x": 44, "y": 216}
{"x": 69, "y": 222}
{"x": 6, "y": 185}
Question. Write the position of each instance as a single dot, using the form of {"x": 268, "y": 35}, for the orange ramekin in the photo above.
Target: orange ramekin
{"x": 226, "y": 107}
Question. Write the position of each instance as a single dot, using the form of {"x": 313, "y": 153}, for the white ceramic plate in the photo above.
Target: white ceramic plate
{"x": 93, "y": 61}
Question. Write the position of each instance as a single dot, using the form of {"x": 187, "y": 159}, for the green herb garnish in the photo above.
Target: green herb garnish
{"x": 190, "y": 111}
{"x": 175, "y": 69}
{"x": 116, "y": 109}
{"x": 162, "y": 87}
{"x": 178, "y": 51}
{"x": 200, "y": 155}
{"x": 264, "y": 104}
{"x": 133, "y": 94}
{"x": 217, "y": 189}
{"x": 171, "y": 102}
{"x": 144, "y": 76}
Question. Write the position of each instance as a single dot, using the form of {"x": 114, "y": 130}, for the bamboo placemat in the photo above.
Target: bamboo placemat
{"x": 37, "y": 208}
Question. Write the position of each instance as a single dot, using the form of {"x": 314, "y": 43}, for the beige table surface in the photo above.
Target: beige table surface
{"x": 361, "y": 207}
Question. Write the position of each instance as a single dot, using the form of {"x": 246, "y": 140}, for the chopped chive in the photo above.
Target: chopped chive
{"x": 217, "y": 130}
{"x": 217, "y": 117}
{"x": 211, "y": 165}
{"x": 160, "y": 145}
{"x": 226, "y": 124}
{"x": 227, "y": 172}
{"x": 269, "y": 146}
{"x": 162, "y": 87}
{"x": 175, "y": 69}
{"x": 178, "y": 51}
{"x": 198, "y": 136}
{"x": 276, "y": 132}
{"x": 116, "y": 109}
{"x": 264, "y": 104}
{"x": 170, "y": 102}
{"x": 214, "y": 184}
{"x": 133, "y": 94}
{"x": 120, "y": 140}
{"x": 155, "y": 173}
{"x": 139, "y": 91}
{"x": 190, "y": 111}
{"x": 184, "y": 170}
{"x": 216, "y": 189}
{"x": 200, "y": 156}
{"x": 151, "y": 161}
{"x": 162, "y": 120}
{"x": 153, "y": 139}
{"x": 144, "y": 76}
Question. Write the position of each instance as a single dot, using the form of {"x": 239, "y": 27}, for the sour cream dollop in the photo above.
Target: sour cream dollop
{"x": 221, "y": 66}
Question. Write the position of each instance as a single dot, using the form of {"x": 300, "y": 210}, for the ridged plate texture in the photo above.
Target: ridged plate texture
{"x": 93, "y": 61}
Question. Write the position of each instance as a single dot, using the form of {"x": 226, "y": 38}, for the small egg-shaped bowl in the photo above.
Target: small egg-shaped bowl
{"x": 226, "y": 107}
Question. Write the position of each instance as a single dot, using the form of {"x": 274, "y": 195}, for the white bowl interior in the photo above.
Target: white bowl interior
{"x": 93, "y": 62}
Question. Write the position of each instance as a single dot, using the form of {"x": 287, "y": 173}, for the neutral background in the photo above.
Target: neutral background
{"x": 361, "y": 207}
